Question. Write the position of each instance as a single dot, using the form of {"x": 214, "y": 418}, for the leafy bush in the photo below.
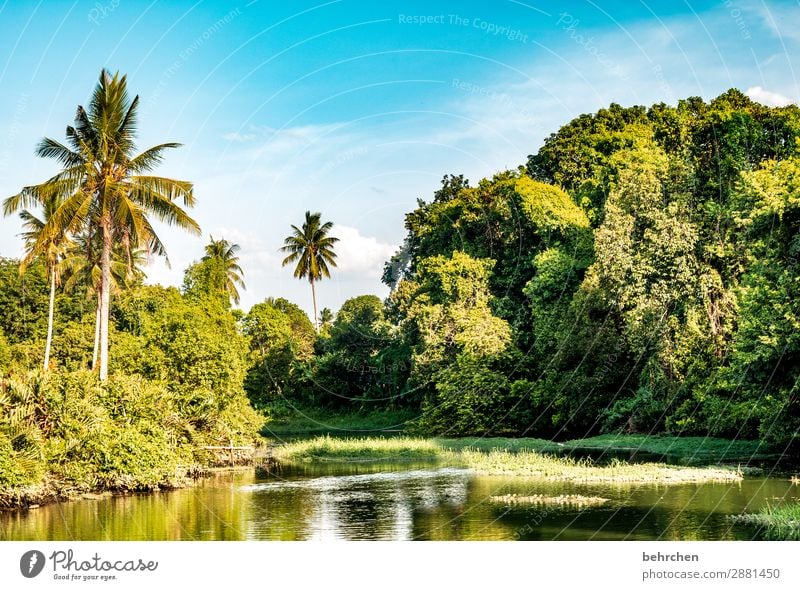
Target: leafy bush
{"x": 18, "y": 468}
{"x": 128, "y": 433}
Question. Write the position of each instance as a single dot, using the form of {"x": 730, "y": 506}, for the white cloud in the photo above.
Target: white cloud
{"x": 360, "y": 254}
{"x": 767, "y": 98}
{"x": 158, "y": 273}
{"x": 289, "y": 142}
{"x": 260, "y": 262}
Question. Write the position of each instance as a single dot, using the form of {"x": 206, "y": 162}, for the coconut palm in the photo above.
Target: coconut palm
{"x": 104, "y": 186}
{"x": 51, "y": 250}
{"x": 325, "y": 318}
{"x": 224, "y": 253}
{"x": 312, "y": 248}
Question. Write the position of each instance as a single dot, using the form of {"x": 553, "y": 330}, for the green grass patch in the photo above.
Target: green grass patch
{"x": 779, "y": 522}
{"x": 490, "y": 458}
{"x": 693, "y": 448}
{"x": 687, "y": 450}
{"x": 400, "y": 448}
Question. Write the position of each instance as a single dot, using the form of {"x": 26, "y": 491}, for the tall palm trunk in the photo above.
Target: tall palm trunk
{"x": 96, "y": 334}
{"x": 314, "y": 298}
{"x": 105, "y": 297}
{"x": 50, "y": 318}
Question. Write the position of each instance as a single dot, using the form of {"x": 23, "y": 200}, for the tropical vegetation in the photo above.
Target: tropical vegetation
{"x": 631, "y": 285}
{"x": 104, "y": 190}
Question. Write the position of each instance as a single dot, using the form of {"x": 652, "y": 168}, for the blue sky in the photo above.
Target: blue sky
{"x": 356, "y": 109}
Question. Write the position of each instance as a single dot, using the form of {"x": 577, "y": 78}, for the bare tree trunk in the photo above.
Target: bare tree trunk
{"x": 50, "y": 318}
{"x": 105, "y": 298}
{"x": 96, "y": 334}
{"x": 314, "y": 297}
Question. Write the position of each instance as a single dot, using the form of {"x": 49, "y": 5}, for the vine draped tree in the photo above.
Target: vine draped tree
{"x": 104, "y": 187}
{"x": 224, "y": 253}
{"x": 312, "y": 248}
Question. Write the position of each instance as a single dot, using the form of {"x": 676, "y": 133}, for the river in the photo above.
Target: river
{"x": 400, "y": 502}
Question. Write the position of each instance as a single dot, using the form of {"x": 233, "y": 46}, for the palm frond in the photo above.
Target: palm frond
{"x": 150, "y": 158}
{"x": 148, "y": 196}
{"x": 167, "y": 188}
{"x": 50, "y": 148}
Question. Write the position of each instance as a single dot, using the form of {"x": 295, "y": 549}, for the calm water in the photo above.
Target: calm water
{"x": 358, "y": 501}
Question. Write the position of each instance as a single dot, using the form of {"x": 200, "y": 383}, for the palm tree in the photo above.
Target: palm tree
{"x": 51, "y": 250}
{"x": 224, "y": 252}
{"x": 325, "y": 318}
{"x": 105, "y": 188}
{"x": 312, "y": 249}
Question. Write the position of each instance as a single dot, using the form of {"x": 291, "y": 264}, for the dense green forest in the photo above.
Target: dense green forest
{"x": 638, "y": 274}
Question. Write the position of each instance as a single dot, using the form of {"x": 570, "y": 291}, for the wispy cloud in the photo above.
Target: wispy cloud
{"x": 783, "y": 20}
{"x": 239, "y": 137}
{"x": 701, "y": 54}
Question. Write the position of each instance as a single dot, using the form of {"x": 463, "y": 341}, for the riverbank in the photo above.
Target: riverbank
{"x": 512, "y": 457}
{"x": 66, "y": 434}
{"x": 52, "y": 490}
{"x": 692, "y": 449}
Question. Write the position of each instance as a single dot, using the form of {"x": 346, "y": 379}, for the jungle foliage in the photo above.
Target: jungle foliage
{"x": 639, "y": 274}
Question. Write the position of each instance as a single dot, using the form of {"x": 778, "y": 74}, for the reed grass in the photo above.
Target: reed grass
{"x": 547, "y": 467}
{"x": 780, "y": 522}
{"x": 322, "y": 448}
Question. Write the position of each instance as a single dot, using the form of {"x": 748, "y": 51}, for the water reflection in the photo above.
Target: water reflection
{"x": 399, "y": 502}
{"x": 378, "y": 505}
